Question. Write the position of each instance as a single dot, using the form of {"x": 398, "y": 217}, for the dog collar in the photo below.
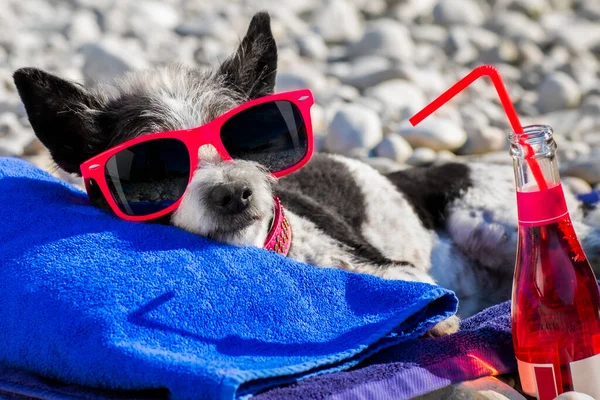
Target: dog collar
{"x": 279, "y": 238}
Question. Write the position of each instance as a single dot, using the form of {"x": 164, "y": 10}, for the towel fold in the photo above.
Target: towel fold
{"x": 92, "y": 300}
{"x": 482, "y": 347}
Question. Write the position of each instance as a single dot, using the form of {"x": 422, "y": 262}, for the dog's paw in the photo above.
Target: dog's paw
{"x": 445, "y": 327}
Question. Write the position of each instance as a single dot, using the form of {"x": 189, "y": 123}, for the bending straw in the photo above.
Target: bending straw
{"x": 509, "y": 109}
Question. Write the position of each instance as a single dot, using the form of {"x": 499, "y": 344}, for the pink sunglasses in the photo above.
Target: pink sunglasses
{"x": 274, "y": 131}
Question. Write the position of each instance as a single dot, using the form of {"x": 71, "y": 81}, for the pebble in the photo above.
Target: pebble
{"x": 558, "y": 91}
{"x": 435, "y": 133}
{"x": 574, "y": 396}
{"x": 576, "y": 185}
{"x": 587, "y": 169}
{"x": 395, "y": 148}
{"x": 353, "y": 128}
{"x": 365, "y": 72}
{"x": 337, "y": 21}
{"x": 312, "y": 46}
{"x": 83, "y": 28}
{"x": 448, "y": 12}
{"x": 486, "y": 140}
{"x": 13, "y": 136}
{"x": 102, "y": 63}
{"x": 400, "y": 98}
{"x": 421, "y": 157}
{"x": 300, "y": 77}
{"x": 386, "y": 38}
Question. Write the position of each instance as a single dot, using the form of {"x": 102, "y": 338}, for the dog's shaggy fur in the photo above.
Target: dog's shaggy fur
{"x": 453, "y": 224}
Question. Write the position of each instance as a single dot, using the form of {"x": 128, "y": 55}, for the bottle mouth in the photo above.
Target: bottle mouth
{"x": 536, "y": 141}
{"x": 531, "y": 134}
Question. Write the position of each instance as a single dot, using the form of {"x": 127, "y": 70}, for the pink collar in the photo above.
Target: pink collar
{"x": 279, "y": 238}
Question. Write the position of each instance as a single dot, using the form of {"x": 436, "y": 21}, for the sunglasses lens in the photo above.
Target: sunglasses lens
{"x": 272, "y": 134}
{"x": 148, "y": 177}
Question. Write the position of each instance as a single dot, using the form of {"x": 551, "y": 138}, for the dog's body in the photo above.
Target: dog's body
{"x": 453, "y": 224}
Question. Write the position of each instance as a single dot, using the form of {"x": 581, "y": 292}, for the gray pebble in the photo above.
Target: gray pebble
{"x": 435, "y": 133}
{"x": 422, "y": 156}
{"x": 385, "y": 37}
{"x": 558, "y": 91}
{"x": 395, "y": 148}
{"x": 337, "y": 21}
{"x": 449, "y": 12}
{"x": 354, "y": 128}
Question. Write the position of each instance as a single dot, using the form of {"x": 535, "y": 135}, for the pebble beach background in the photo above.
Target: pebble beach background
{"x": 371, "y": 64}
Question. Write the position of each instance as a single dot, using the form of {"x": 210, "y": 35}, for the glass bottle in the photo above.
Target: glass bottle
{"x": 555, "y": 298}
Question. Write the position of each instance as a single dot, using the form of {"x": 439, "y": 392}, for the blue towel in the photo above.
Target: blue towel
{"x": 483, "y": 347}
{"x": 92, "y": 300}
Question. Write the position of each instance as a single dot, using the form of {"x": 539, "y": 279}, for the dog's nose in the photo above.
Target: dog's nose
{"x": 231, "y": 198}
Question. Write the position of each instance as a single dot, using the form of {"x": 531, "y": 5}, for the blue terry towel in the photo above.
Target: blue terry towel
{"x": 89, "y": 299}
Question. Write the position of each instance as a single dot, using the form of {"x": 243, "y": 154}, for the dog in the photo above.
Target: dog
{"x": 453, "y": 224}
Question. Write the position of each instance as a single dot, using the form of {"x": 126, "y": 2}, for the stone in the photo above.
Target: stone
{"x": 459, "y": 47}
{"x": 383, "y": 165}
{"x": 384, "y": 37}
{"x": 368, "y": 71}
{"x": 102, "y": 63}
{"x": 558, "y": 91}
{"x": 407, "y": 11}
{"x": 33, "y": 147}
{"x": 153, "y": 14}
{"x": 435, "y": 133}
{"x": 580, "y": 36}
{"x": 207, "y": 24}
{"x": 354, "y": 129}
{"x": 83, "y": 28}
{"x": 319, "y": 122}
{"x": 301, "y": 76}
{"x": 483, "y": 39}
{"x": 533, "y": 8}
{"x": 337, "y": 21}
{"x": 587, "y": 169}
{"x": 312, "y": 46}
{"x": 517, "y": 26}
{"x": 422, "y": 156}
{"x": 13, "y": 136}
{"x": 394, "y": 147}
{"x": 506, "y": 51}
{"x": 569, "y": 151}
{"x": 486, "y": 140}
{"x": 445, "y": 155}
{"x": 400, "y": 98}
{"x": 591, "y": 105}
{"x": 433, "y": 34}
{"x": 530, "y": 53}
{"x": 576, "y": 185}
{"x": 448, "y": 12}
{"x": 574, "y": 396}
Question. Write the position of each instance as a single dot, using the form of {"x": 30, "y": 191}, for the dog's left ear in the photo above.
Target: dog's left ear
{"x": 253, "y": 66}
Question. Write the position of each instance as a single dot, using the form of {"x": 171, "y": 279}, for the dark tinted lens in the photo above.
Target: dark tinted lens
{"x": 148, "y": 177}
{"x": 272, "y": 134}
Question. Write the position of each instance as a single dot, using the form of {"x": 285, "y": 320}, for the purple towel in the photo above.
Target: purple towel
{"x": 483, "y": 347}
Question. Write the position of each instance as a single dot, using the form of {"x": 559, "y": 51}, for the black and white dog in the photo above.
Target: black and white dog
{"x": 453, "y": 224}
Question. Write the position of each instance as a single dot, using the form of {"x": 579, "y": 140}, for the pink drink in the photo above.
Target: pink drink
{"x": 555, "y": 314}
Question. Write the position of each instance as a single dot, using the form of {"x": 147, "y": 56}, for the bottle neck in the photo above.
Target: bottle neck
{"x": 539, "y": 139}
{"x": 537, "y": 206}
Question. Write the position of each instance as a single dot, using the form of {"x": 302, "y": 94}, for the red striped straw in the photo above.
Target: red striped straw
{"x": 509, "y": 109}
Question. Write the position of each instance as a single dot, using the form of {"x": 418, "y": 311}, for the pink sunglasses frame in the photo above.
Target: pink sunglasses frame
{"x": 209, "y": 133}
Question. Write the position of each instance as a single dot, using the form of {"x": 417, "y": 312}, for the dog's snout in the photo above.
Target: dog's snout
{"x": 231, "y": 198}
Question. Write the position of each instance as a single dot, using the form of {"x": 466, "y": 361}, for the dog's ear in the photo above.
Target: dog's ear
{"x": 62, "y": 114}
{"x": 253, "y": 66}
